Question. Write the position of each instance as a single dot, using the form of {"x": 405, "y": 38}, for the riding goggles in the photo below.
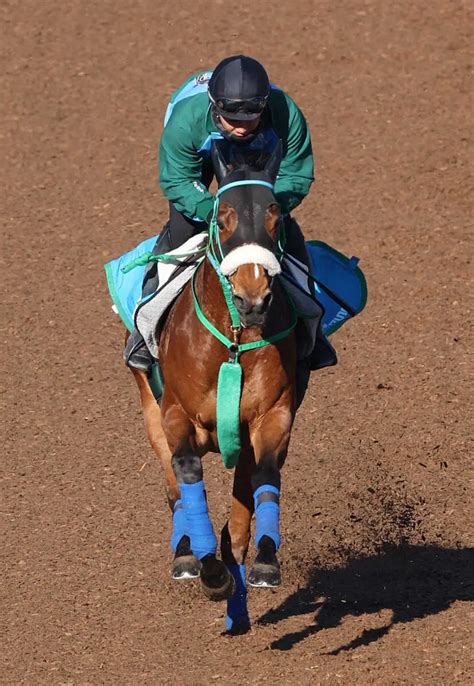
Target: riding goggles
{"x": 251, "y": 106}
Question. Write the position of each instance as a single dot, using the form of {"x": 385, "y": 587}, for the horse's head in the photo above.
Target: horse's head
{"x": 248, "y": 221}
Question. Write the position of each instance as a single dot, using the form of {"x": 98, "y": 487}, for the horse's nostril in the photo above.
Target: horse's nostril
{"x": 264, "y": 304}
{"x": 267, "y": 300}
{"x": 238, "y": 300}
{"x": 242, "y": 304}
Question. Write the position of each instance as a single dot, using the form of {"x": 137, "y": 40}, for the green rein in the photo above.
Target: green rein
{"x": 229, "y": 383}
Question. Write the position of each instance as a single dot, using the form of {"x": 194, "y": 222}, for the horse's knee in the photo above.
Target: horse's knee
{"x": 267, "y": 472}
{"x": 187, "y": 468}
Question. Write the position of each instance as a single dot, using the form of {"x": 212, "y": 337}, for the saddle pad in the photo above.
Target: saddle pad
{"x": 126, "y": 288}
{"x": 125, "y": 285}
{"x": 148, "y": 313}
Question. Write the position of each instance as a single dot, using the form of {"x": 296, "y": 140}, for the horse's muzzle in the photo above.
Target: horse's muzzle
{"x": 252, "y": 313}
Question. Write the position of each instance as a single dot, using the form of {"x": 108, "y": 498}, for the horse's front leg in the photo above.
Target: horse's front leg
{"x": 216, "y": 581}
{"x": 235, "y": 542}
{"x": 185, "y": 565}
{"x": 270, "y": 439}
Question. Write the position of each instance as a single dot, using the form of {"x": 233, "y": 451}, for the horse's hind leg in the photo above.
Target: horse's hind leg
{"x": 216, "y": 581}
{"x": 270, "y": 441}
{"x": 185, "y": 565}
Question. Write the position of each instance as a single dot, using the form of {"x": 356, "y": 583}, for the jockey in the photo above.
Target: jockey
{"x": 235, "y": 102}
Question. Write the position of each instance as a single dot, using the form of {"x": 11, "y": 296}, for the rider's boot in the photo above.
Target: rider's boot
{"x": 323, "y": 354}
{"x": 136, "y": 353}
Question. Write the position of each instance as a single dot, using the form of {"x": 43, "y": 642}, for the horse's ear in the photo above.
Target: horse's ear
{"x": 272, "y": 165}
{"x": 272, "y": 220}
{"x": 219, "y": 163}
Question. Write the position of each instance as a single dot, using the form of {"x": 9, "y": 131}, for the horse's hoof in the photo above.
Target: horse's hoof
{"x": 238, "y": 628}
{"x": 216, "y": 581}
{"x": 265, "y": 575}
{"x": 265, "y": 572}
{"x": 185, "y": 567}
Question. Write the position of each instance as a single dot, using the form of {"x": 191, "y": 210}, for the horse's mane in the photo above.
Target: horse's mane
{"x": 248, "y": 161}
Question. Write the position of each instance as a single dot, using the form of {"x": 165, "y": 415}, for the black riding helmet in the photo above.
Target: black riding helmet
{"x": 239, "y": 88}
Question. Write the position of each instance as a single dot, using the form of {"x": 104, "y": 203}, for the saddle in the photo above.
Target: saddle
{"x": 146, "y": 309}
{"x": 151, "y": 310}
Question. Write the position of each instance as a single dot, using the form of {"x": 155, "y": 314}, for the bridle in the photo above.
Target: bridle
{"x": 215, "y": 256}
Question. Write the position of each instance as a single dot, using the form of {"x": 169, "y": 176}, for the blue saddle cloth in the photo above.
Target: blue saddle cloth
{"x": 125, "y": 287}
{"x": 339, "y": 283}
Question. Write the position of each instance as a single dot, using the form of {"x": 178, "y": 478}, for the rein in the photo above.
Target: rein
{"x": 229, "y": 384}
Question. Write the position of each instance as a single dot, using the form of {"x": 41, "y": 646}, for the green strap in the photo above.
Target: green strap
{"x": 214, "y": 238}
{"x": 242, "y": 347}
{"x": 229, "y": 390}
{"x": 234, "y": 315}
{"x": 200, "y": 314}
{"x": 164, "y": 257}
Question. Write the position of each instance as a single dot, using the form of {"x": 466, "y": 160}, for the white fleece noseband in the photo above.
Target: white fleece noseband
{"x": 251, "y": 253}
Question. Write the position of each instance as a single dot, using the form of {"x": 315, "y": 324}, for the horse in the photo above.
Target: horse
{"x": 236, "y": 316}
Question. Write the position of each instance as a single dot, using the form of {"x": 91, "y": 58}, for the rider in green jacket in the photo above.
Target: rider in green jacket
{"x": 235, "y": 102}
{"x": 193, "y": 119}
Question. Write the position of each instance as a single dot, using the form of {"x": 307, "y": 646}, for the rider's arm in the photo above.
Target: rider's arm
{"x": 296, "y": 173}
{"x": 180, "y": 165}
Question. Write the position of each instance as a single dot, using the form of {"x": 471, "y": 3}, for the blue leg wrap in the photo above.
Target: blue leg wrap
{"x": 267, "y": 513}
{"x": 180, "y": 525}
{"x": 199, "y": 525}
{"x": 237, "y": 613}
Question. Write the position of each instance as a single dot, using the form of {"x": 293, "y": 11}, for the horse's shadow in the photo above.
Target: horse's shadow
{"x": 411, "y": 581}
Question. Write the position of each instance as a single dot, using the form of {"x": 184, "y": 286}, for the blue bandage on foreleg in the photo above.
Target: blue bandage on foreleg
{"x": 180, "y": 525}
{"x": 237, "y": 617}
{"x": 199, "y": 525}
{"x": 267, "y": 513}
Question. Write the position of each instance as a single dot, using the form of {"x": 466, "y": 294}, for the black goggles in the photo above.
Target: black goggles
{"x": 252, "y": 106}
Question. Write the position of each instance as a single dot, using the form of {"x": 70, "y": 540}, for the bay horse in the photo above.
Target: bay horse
{"x": 234, "y": 309}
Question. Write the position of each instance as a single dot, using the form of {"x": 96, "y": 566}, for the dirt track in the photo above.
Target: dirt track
{"x": 377, "y": 506}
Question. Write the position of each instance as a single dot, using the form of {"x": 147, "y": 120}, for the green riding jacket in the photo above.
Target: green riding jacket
{"x": 187, "y": 136}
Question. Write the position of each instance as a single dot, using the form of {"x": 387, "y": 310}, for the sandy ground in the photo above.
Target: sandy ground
{"x": 377, "y": 529}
